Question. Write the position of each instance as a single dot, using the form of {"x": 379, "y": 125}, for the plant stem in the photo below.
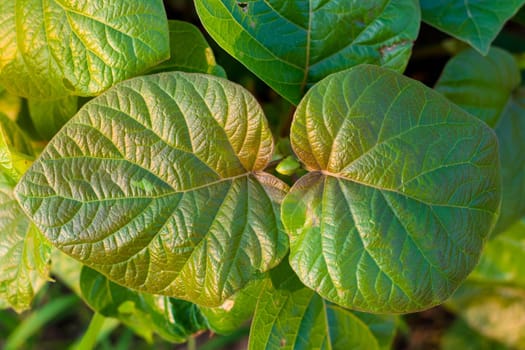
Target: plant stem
{"x": 89, "y": 339}
{"x": 192, "y": 343}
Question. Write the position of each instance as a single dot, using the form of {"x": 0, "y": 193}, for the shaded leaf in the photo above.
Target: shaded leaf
{"x": 503, "y": 259}
{"x": 49, "y": 116}
{"x": 293, "y": 44}
{"x": 175, "y": 162}
{"x": 461, "y": 336}
{"x": 291, "y": 316}
{"x": 173, "y": 320}
{"x": 234, "y": 312}
{"x": 189, "y": 51}
{"x": 476, "y": 22}
{"x": 383, "y": 327}
{"x": 403, "y": 190}
{"x": 57, "y": 48}
{"x": 469, "y": 80}
{"x": 495, "y": 311}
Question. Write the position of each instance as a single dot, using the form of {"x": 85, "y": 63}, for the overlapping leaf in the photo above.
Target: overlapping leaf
{"x": 158, "y": 184}
{"x": 234, "y": 312}
{"x": 488, "y": 87}
{"x": 49, "y": 116}
{"x": 404, "y": 188}
{"x": 52, "y": 49}
{"x": 24, "y": 254}
{"x": 173, "y": 320}
{"x": 293, "y": 44}
{"x": 290, "y": 316}
{"x": 189, "y": 52}
{"x": 476, "y": 22}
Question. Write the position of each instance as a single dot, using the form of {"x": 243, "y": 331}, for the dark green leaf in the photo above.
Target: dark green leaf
{"x": 173, "y": 320}
{"x": 476, "y": 22}
{"x": 189, "y": 52}
{"x": 403, "y": 190}
{"x": 469, "y": 80}
{"x": 291, "y": 316}
{"x": 52, "y": 49}
{"x": 293, "y": 44}
{"x": 487, "y": 87}
{"x": 383, "y": 327}
{"x": 158, "y": 184}
{"x": 49, "y": 116}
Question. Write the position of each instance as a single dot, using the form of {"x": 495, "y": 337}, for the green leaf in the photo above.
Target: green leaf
{"x": 49, "y": 116}
{"x": 159, "y": 185}
{"x": 67, "y": 270}
{"x": 290, "y": 316}
{"x": 24, "y": 254}
{"x": 403, "y": 190}
{"x": 234, "y": 312}
{"x": 476, "y": 22}
{"x": 503, "y": 259}
{"x": 469, "y": 80}
{"x": 495, "y": 311}
{"x": 461, "y": 336}
{"x": 173, "y": 320}
{"x": 190, "y": 52}
{"x": 15, "y": 138}
{"x": 10, "y": 105}
{"x": 57, "y": 48}
{"x": 383, "y": 327}
{"x": 293, "y": 44}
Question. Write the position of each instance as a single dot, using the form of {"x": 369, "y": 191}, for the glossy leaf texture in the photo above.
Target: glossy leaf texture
{"x": 49, "y": 116}
{"x": 403, "y": 189}
{"x": 476, "y": 22}
{"x": 189, "y": 52}
{"x": 489, "y": 88}
{"x": 56, "y": 48}
{"x": 234, "y": 312}
{"x": 291, "y": 45}
{"x": 290, "y": 316}
{"x": 173, "y": 320}
{"x": 24, "y": 253}
{"x": 159, "y": 185}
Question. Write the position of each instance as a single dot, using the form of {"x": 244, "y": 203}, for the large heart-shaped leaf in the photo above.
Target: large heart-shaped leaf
{"x": 404, "y": 188}
{"x": 173, "y": 320}
{"x": 158, "y": 184}
{"x": 293, "y": 44}
{"x": 476, "y": 22}
{"x": 469, "y": 80}
{"x": 51, "y": 49}
{"x": 290, "y": 316}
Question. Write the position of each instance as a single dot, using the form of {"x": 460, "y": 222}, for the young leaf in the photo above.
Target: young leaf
{"x": 291, "y": 316}
{"x": 476, "y": 22}
{"x": 293, "y": 44}
{"x": 158, "y": 184}
{"x": 234, "y": 312}
{"x": 469, "y": 80}
{"x": 404, "y": 188}
{"x": 173, "y": 320}
{"x": 189, "y": 52}
{"x": 57, "y": 48}
{"x": 49, "y": 116}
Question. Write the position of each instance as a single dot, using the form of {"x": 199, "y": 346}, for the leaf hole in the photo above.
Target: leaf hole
{"x": 243, "y": 5}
